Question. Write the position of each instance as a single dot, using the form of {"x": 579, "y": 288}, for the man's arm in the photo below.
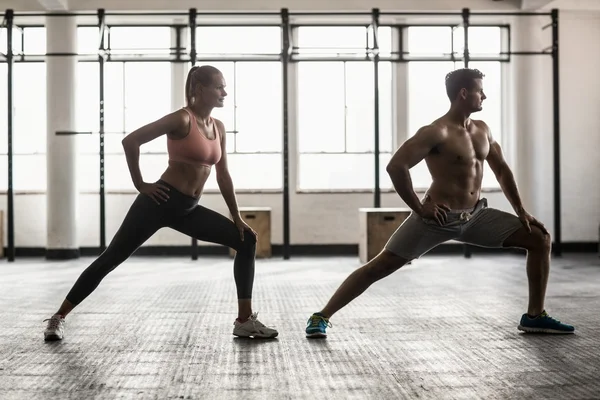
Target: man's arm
{"x": 503, "y": 173}
{"x": 413, "y": 151}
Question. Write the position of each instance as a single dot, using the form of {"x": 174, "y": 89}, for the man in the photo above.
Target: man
{"x": 454, "y": 148}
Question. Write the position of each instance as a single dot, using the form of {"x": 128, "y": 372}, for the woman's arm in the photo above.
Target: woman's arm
{"x": 224, "y": 178}
{"x": 131, "y": 143}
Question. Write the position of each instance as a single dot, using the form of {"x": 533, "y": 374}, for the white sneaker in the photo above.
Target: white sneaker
{"x": 253, "y": 328}
{"x": 55, "y": 328}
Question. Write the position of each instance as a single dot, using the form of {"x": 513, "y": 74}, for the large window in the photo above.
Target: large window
{"x": 29, "y": 114}
{"x": 336, "y": 116}
{"x": 135, "y": 93}
{"x": 427, "y": 99}
{"x": 254, "y": 105}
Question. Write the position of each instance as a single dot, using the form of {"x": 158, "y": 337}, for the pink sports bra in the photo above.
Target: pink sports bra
{"x": 195, "y": 148}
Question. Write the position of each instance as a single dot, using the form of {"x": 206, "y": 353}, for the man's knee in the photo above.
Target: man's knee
{"x": 384, "y": 264}
{"x": 536, "y": 240}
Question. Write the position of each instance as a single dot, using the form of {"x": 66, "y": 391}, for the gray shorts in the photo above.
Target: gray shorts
{"x": 479, "y": 226}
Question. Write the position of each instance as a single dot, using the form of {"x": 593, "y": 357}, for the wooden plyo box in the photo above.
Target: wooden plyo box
{"x": 259, "y": 219}
{"x": 376, "y": 227}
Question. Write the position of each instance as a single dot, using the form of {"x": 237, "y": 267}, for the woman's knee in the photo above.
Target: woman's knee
{"x": 248, "y": 245}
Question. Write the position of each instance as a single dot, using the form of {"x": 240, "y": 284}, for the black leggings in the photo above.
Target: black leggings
{"x": 179, "y": 212}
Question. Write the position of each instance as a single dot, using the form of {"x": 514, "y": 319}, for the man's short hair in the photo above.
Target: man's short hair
{"x": 461, "y": 78}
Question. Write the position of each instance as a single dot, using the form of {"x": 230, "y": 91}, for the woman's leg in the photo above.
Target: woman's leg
{"x": 143, "y": 219}
{"x": 210, "y": 226}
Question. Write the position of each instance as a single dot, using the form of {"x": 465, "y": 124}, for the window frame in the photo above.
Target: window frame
{"x": 297, "y": 58}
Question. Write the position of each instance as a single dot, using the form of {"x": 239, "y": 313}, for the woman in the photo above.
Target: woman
{"x": 195, "y": 142}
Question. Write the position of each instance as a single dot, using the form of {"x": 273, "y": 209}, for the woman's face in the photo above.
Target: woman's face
{"x": 214, "y": 94}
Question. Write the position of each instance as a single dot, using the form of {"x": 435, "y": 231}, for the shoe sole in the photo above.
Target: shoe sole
{"x": 274, "y": 335}
{"x": 316, "y": 335}
{"x": 52, "y": 338}
{"x": 543, "y": 330}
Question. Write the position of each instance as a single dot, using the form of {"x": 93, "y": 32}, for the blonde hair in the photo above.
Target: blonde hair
{"x": 202, "y": 75}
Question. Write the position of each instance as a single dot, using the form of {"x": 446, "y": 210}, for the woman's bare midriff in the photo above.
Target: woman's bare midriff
{"x": 187, "y": 178}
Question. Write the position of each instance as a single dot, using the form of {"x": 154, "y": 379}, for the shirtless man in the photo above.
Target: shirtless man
{"x": 454, "y": 148}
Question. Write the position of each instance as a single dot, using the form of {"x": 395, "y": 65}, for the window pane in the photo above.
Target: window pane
{"x": 88, "y": 40}
{"x": 360, "y": 122}
{"x": 215, "y": 40}
{"x": 227, "y": 113}
{"x": 16, "y": 47}
{"x": 3, "y": 111}
{"x": 429, "y": 41}
{"x": 29, "y": 172}
{"x": 29, "y": 93}
{"x": 112, "y": 143}
{"x": 427, "y": 99}
{"x": 332, "y": 40}
{"x": 256, "y": 171}
{"x": 385, "y": 41}
{"x": 140, "y": 40}
{"x": 258, "y": 95}
{"x": 87, "y": 106}
{"x": 139, "y": 110}
{"x": 114, "y": 116}
{"x": 341, "y": 171}
{"x": 483, "y": 41}
{"x": 4, "y": 172}
{"x": 88, "y": 172}
{"x": 321, "y": 112}
{"x": 34, "y": 41}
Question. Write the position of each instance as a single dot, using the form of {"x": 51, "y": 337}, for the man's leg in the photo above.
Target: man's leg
{"x": 412, "y": 239}
{"x": 494, "y": 228}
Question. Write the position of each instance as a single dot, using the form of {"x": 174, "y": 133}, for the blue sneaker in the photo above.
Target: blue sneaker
{"x": 316, "y": 326}
{"x": 543, "y": 323}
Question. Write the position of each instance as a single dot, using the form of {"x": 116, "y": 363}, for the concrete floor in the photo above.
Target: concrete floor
{"x": 160, "y": 328}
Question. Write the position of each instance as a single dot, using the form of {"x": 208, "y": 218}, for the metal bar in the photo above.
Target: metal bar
{"x": 10, "y": 254}
{"x": 178, "y": 47}
{"x": 465, "y": 17}
{"x": 286, "y": 54}
{"x": 377, "y": 188}
{"x": 421, "y": 13}
{"x": 511, "y": 14}
{"x": 328, "y": 13}
{"x": 101, "y": 61}
{"x": 548, "y": 25}
{"x": 557, "y": 248}
{"x": 192, "y": 13}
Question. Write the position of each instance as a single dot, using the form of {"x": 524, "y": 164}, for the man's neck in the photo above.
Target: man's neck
{"x": 458, "y": 116}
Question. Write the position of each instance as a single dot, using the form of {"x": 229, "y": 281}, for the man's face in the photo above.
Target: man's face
{"x": 474, "y": 98}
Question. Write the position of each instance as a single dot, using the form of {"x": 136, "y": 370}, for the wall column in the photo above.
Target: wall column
{"x": 62, "y": 192}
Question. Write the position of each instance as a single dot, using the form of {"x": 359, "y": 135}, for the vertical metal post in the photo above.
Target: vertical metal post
{"x": 465, "y": 16}
{"x": 10, "y": 254}
{"x": 557, "y": 248}
{"x": 101, "y": 60}
{"x": 192, "y": 27}
{"x": 285, "y": 60}
{"x": 375, "y": 50}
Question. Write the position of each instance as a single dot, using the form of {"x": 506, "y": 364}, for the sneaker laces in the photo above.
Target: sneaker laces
{"x": 544, "y": 314}
{"x": 54, "y": 322}
{"x": 315, "y": 320}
